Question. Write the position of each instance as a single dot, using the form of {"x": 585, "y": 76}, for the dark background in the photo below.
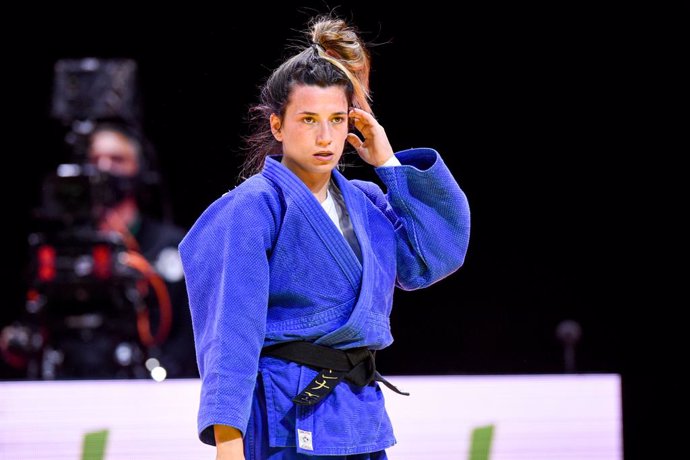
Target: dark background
{"x": 533, "y": 109}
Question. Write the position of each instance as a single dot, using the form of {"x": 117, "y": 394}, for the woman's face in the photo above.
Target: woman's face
{"x": 313, "y": 131}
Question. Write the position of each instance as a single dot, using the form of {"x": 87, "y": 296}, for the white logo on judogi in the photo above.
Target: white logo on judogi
{"x": 304, "y": 439}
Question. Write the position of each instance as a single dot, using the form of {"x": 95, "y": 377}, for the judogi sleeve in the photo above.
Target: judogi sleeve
{"x": 430, "y": 214}
{"x": 225, "y": 260}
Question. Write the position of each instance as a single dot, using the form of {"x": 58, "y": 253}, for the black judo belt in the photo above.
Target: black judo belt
{"x": 356, "y": 365}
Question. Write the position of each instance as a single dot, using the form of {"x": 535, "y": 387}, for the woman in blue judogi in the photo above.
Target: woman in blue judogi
{"x": 291, "y": 274}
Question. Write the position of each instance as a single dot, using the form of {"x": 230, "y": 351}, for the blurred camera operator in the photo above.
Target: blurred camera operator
{"x": 122, "y": 155}
{"x": 118, "y": 150}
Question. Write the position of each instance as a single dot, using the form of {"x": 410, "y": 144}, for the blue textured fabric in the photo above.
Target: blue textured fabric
{"x": 265, "y": 264}
{"x": 257, "y": 446}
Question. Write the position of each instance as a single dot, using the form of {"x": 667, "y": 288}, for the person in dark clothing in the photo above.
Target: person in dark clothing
{"x": 117, "y": 150}
{"x": 115, "y": 328}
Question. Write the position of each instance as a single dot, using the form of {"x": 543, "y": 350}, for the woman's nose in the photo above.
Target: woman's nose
{"x": 324, "y": 136}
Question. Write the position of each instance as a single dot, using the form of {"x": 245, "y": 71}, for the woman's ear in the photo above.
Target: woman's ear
{"x": 275, "y": 127}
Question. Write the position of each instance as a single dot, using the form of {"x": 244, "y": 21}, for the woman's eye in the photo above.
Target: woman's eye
{"x": 308, "y": 120}
{"x": 338, "y": 120}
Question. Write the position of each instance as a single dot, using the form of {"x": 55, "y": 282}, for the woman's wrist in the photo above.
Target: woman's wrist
{"x": 228, "y": 438}
{"x": 392, "y": 161}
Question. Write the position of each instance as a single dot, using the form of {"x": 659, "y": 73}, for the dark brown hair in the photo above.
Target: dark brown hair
{"x": 334, "y": 56}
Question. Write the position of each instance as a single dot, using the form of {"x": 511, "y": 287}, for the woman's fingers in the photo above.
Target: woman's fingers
{"x": 362, "y": 119}
{"x": 373, "y": 146}
{"x": 354, "y": 140}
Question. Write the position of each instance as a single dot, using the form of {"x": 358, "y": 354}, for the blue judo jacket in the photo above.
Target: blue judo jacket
{"x": 264, "y": 264}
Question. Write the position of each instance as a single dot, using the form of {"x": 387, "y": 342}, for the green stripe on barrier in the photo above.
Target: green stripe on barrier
{"x": 480, "y": 447}
{"x": 94, "y": 445}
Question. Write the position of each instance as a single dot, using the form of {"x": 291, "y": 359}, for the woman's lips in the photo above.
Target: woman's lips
{"x": 325, "y": 156}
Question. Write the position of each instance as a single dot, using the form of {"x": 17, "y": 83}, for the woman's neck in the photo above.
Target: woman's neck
{"x": 318, "y": 185}
{"x": 322, "y": 193}
{"x": 316, "y": 182}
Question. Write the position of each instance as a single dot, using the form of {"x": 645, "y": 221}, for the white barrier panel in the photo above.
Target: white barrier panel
{"x": 526, "y": 417}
